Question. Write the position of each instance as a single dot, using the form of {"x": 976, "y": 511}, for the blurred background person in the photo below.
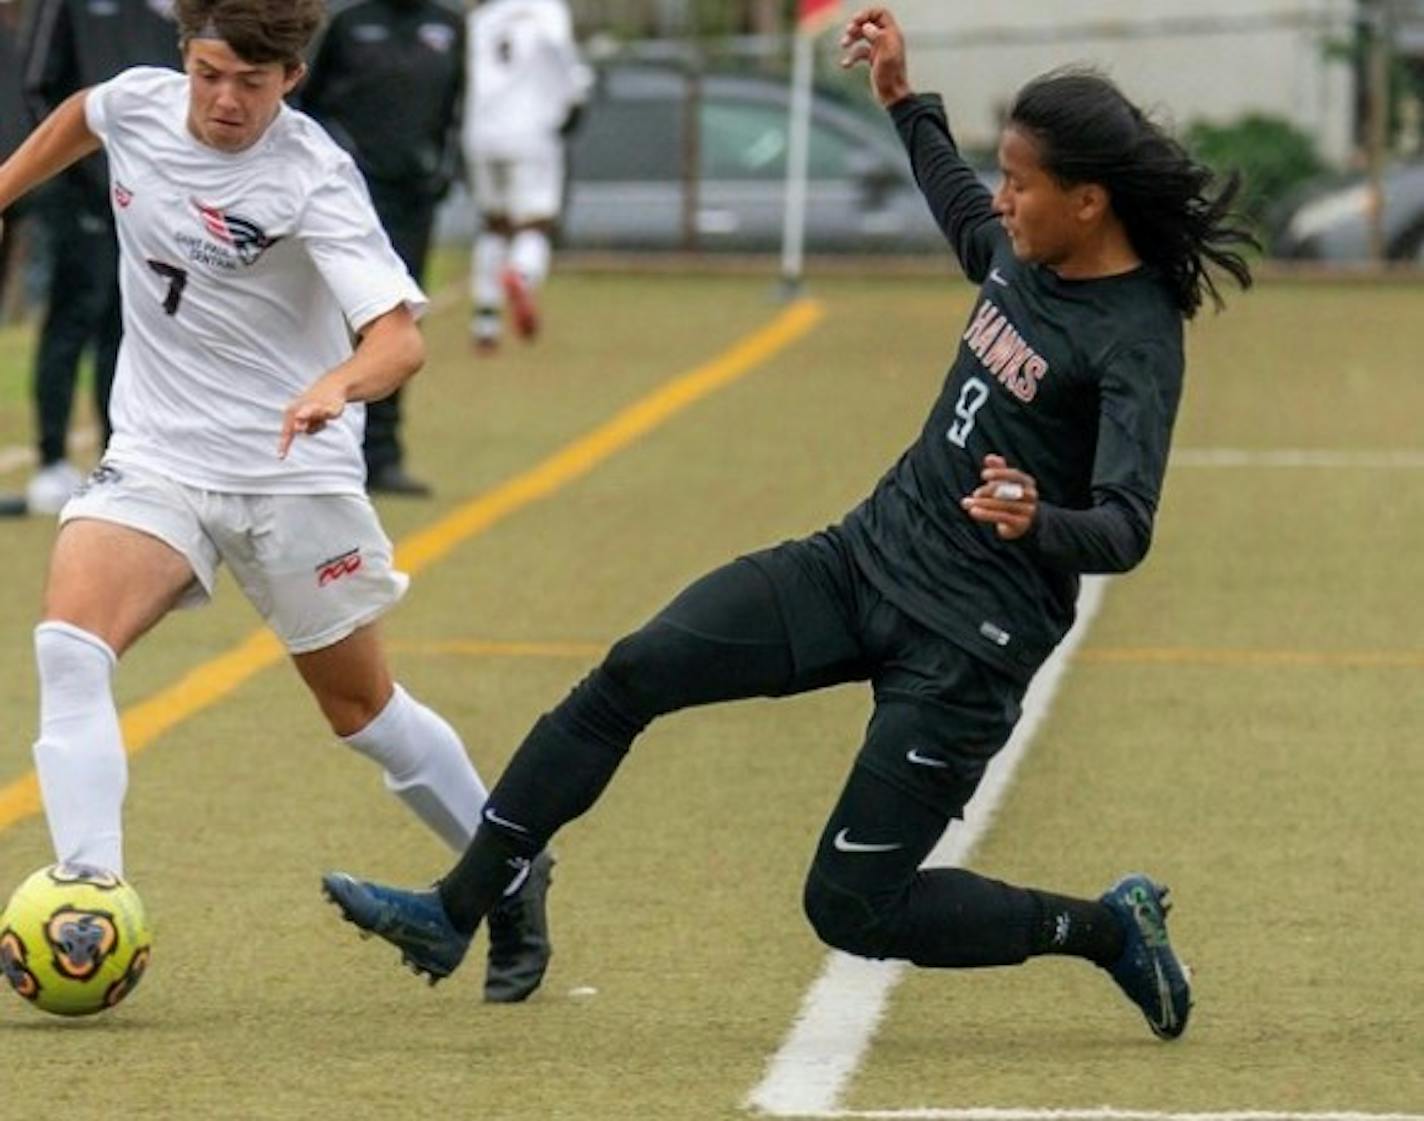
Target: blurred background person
{"x": 386, "y": 79}
{"x": 526, "y": 86}
{"x": 69, "y": 45}
{"x": 12, "y": 131}
{"x": 13, "y": 119}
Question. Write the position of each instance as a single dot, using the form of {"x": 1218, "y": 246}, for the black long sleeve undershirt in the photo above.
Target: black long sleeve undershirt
{"x": 1114, "y": 534}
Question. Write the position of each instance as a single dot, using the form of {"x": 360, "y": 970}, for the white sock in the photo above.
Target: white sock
{"x": 426, "y": 767}
{"x": 529, "y": 255}
{"x": 486, "y": 263}
{"x": 79, "y": 755}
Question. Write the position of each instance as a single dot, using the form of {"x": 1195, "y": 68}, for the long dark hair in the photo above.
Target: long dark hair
{"x": 1177, "y": 215}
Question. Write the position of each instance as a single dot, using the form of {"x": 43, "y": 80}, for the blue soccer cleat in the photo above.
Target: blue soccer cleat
{"x": 414, "y": 922}
{"x": 1149, "y": 971}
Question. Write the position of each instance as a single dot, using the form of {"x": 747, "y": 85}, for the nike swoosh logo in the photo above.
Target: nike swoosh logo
{"x": 1168, "y": 1018}
{"x": 845, "y": 844}
{"x": 494, "y": 819}
{"x": 914, "y": 756}
{"x": 522, "y": 868}
{"x": 998, "y": 278}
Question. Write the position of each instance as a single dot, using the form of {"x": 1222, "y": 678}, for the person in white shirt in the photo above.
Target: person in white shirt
{"x": 525, "y": 84}
{"x": 249, "y": 253}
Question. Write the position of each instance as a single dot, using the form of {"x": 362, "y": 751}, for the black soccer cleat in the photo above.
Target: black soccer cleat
{"x": 519, "y": 949}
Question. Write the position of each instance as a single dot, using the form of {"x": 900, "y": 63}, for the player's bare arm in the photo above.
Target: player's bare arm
{"x": 62, "y": 138}
{"x": 1007, "y": 499}
{"x": 872, "y": 36}
{"x": 391, "y": 349}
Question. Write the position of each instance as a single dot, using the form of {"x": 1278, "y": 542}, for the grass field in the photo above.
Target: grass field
{"x": 1242, "y": 719}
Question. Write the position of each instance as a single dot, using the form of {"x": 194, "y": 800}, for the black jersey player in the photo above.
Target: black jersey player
{"x": 947, "y": 588}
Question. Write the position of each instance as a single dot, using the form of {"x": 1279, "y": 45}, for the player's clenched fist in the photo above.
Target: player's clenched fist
{"x": 1007, "y": 499}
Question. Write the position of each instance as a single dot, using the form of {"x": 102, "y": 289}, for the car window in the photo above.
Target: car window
{"x": 742, "y": 140}
{"x": 629, "y": 140}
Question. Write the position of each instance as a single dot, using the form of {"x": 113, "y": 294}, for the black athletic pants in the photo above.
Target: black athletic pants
{"x": 788, "y": 620}
{"x": 408, "y": 215}
{"x": 83, "y": 308}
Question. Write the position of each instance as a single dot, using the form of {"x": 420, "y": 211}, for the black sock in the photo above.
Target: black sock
{"x": 957, "y": 919}
{"x": 478, "y": 881}
{"x": 1082, "y": 928}
{"x": 558, "y": 772}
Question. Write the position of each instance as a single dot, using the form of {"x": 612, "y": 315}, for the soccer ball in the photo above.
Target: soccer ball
{"x": 74, "y": 940}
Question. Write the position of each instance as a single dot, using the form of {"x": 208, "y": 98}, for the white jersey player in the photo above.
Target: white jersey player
{"x": 250, "y": 253}
{"x": 525, "y": 83}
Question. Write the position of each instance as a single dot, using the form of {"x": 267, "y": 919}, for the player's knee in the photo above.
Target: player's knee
{"x": 72, "y": 659}
{"x": 641, "y": 671}
{"x": 349, "y": 711}
{"x": 845, "y": 920}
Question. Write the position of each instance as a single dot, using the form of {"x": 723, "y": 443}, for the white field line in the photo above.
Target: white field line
{"x": 1374, "y": 460}
{"x": 1105, "y": 1113}
{"x": 843, "y": 1008}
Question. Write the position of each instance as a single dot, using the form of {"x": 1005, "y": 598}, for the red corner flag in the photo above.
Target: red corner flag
{"x": 814, "y": 16}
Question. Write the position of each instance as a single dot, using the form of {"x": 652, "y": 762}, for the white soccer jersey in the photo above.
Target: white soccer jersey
{"x": 243, "y": 275}
{"x": 524, "y": 75}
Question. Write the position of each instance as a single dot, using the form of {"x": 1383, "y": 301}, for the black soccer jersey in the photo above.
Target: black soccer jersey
{"x": 1074, "y": 381}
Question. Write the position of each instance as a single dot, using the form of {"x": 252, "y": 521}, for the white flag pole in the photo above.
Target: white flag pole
{"x": 793, "y": 233}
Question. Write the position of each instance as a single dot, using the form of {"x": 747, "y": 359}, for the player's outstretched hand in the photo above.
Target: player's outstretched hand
{"x": 322, "y": 403}
{"x": 1007, "y": 499}
{"x": 872, "y": 36}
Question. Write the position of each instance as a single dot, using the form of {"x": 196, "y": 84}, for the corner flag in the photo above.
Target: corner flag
{"x": 813, "y": 16}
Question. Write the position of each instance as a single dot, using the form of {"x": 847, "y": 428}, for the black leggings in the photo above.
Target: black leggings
{"x": 726, "y": 638}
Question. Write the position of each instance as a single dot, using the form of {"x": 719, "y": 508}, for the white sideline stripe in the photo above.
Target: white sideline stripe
{"x": 841, "y": 1011}
{"x": 1106, "y": 1113}
{"x": 1297, "y": 457}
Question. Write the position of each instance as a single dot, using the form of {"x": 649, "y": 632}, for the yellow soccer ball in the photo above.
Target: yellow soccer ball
{"x": 74, "y": 940}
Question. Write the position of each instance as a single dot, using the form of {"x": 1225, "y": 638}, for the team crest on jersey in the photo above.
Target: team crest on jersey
{"x": 231, "y": 240}
{"x": 122, "y": 195}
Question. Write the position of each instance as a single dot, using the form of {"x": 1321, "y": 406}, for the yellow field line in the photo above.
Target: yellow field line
{"x": 215, "y": 679}
{"x": 584, "y": 454}
{"x": 1201, "y": 656}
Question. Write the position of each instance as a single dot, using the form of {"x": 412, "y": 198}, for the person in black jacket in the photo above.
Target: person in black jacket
{"x": 948, "y": 587}
{"x": 13, "y": 120}
{"x": 70, "y": 45}
{"x": 386, "y": 79}
{"x": 12, "y": 131}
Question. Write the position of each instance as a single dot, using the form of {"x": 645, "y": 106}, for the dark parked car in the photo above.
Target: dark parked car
{"x": 1330, "y": 221}
{"x": 626, "y": 170}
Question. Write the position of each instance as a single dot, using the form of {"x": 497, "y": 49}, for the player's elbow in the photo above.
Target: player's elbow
{"x": 1126, "y": 551}
{"x": 399, "y": 342}
{"x": 412, "y": 352}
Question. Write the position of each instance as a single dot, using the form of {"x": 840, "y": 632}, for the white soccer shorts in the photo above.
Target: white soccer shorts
{"x": 526, "y": 188}
{"x": 316, "y": 567}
